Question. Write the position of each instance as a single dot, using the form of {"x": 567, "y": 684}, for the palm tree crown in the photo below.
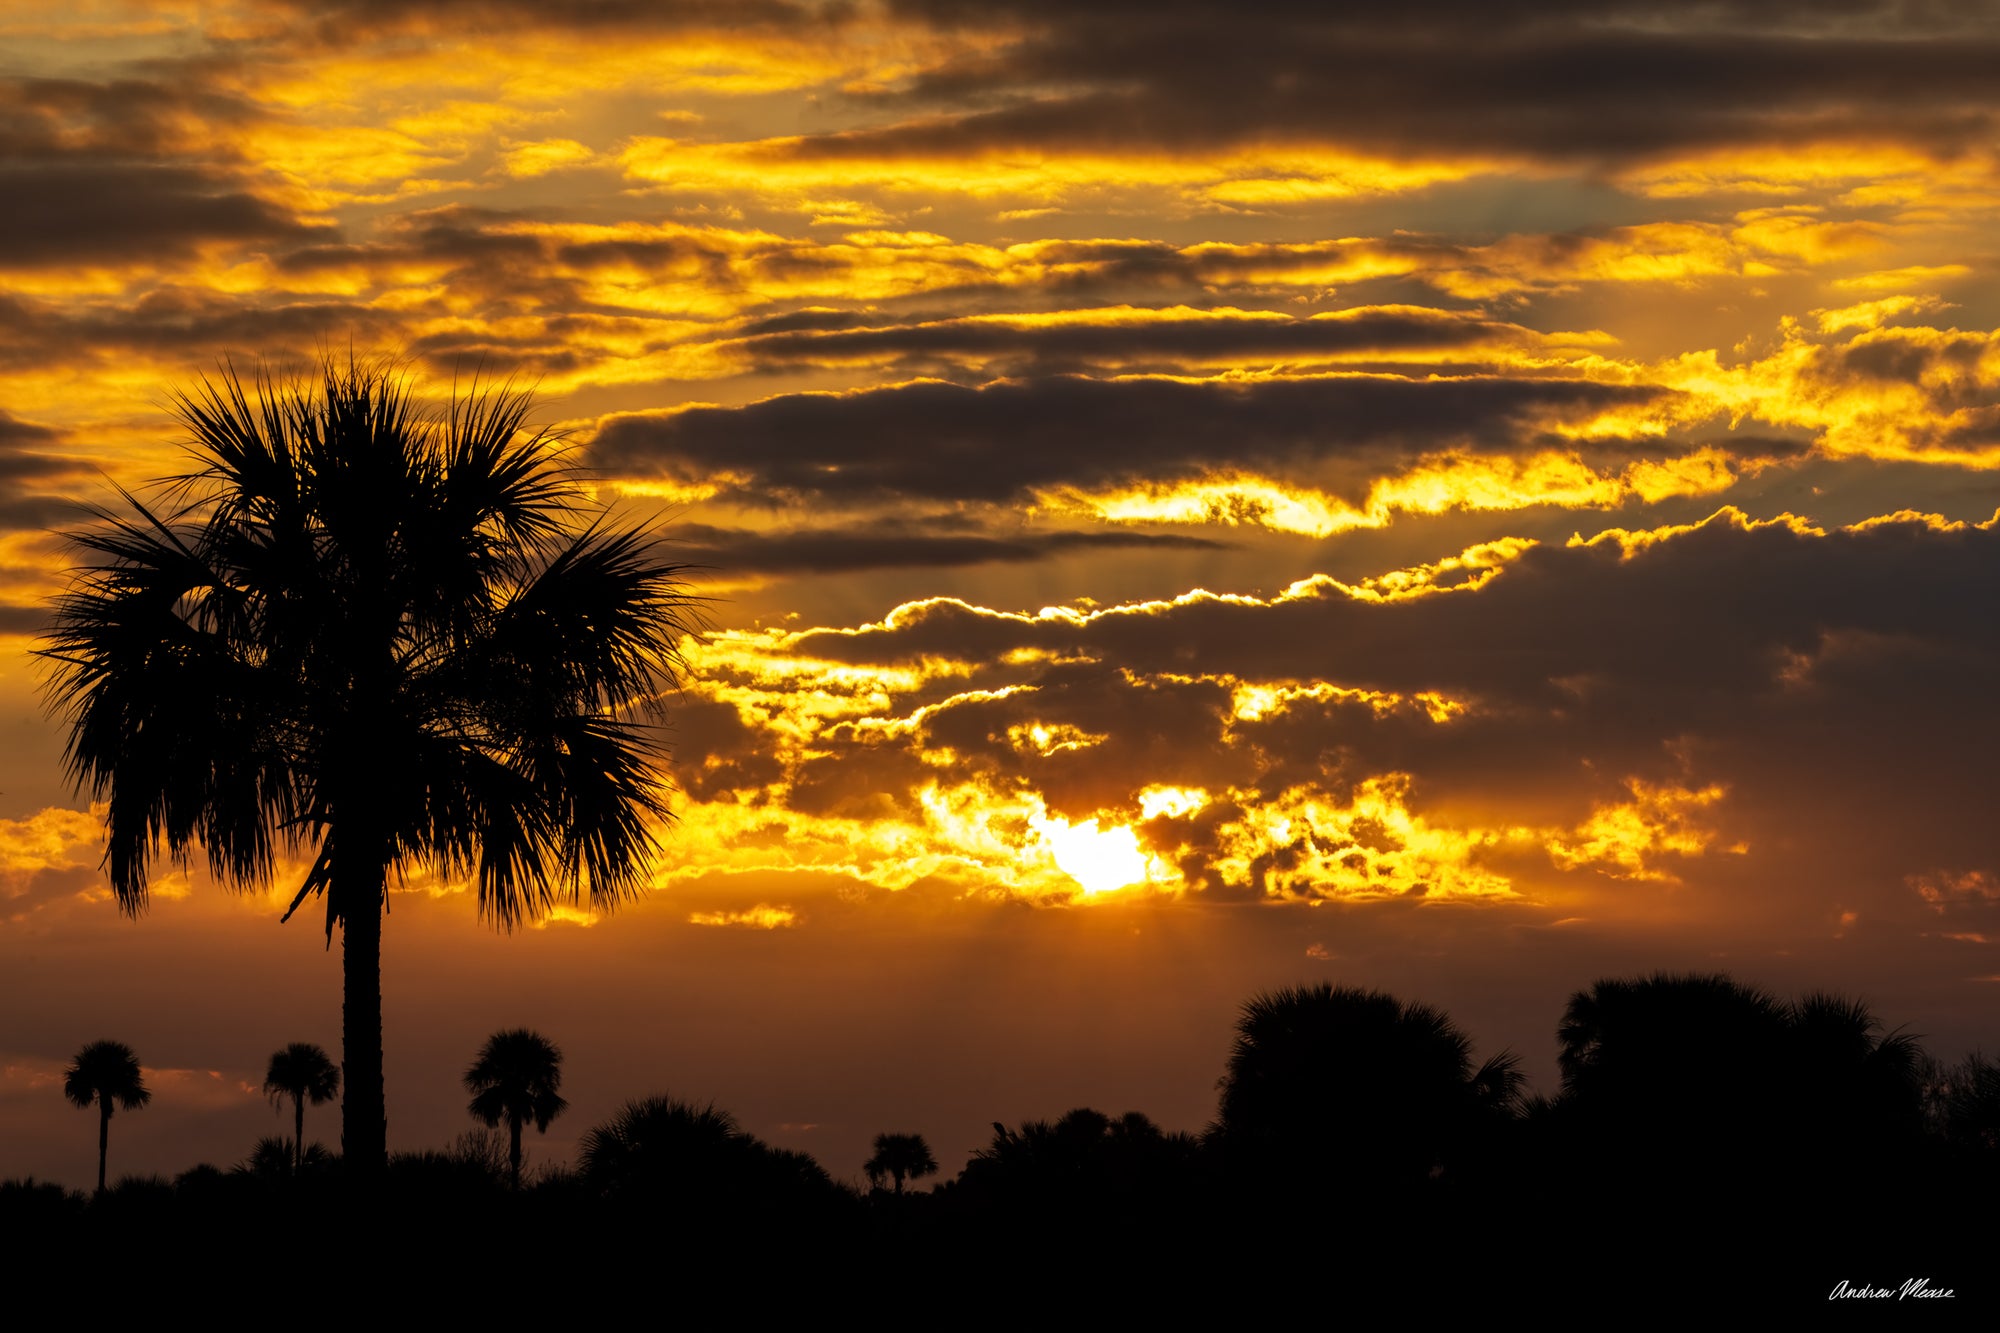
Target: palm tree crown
{"x": 1335, "y": 1081}
{"x": 663, "y": 1145}
{"x": 105, "y": 1073}
{"x": 1672, "y": 1075}
{"x": 387, "y": 633}
{"x": 516, "y": 1078}
{"x": 900, "y": 1157}
{"x": 303, "y": 1073}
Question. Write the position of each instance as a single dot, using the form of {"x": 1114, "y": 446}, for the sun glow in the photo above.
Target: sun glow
{"x": 1173, "y": 802}
{"x": 1099, "y": 859}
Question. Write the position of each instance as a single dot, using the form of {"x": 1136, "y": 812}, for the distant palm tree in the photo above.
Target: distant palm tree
{"x": 105, "y": 1072}
{"x": 900, "y": 1157}
{"x": 393, "y": 634}
{"x": 303, "y": 1073}
{"x": 516, "y": 1078}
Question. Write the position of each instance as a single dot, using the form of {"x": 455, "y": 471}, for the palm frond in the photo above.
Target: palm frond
{"x": 517, "y": 1078}
{"x": 106, "y": 1073}
{"x": 166, "y": 719}
{"x": 618, "y": 613}
{"x": 304, "y": 1071}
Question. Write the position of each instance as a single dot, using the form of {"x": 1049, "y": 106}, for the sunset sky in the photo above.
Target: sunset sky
{"x": 1465, "y": 499}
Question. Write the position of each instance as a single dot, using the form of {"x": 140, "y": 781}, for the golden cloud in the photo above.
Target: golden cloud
{"x": 53, "y": 838}
{"x": 1627, "y": 839}
{"x": 761, "y": 917}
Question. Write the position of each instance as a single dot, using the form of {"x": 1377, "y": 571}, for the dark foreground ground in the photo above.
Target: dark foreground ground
{"x": 438, "y": 1239}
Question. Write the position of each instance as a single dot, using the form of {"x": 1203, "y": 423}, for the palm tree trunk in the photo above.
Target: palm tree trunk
{"x": 364, "y": 1118}
{"x": 299, "y": 1112}
{"x": 514, "y": 1156}
{"x": 103, "y": 1135}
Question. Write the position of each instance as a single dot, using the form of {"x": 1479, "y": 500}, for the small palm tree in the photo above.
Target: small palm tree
{"x": 900, "y": 1157}
{"x": 516, "y": 1078}
{"x": 105, "y": 1072}
{"x": 303, "y": 1073}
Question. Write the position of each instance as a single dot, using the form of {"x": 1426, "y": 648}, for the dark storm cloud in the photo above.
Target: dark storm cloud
{"x": 1799, "y": 15}
{"x": 1709, "y": 618}
{"x": 1152, "y": 341}
{"x": 125, "y": 171}
{"x": 32, "y": 892}
{"x": 715, "y": 753}
{"x": 817, "y": 319}
{"x": 472, "y": 242}
{"x": 505, "y": 256}
{"x": 40, "y": 513}
{"x": 1863, "y": 651}
{"x": 1834, "y": 688}
{"x": 23, "y": 619}
{"x": 1689, "y": 629}
{"x": 842, "y": 550}
{"x": 30, "y": 458}
{"x": 1089, "y": 264}
{"x": 66, "y": 214}
{"x": 180, "y": 323}
{"x": 21, "y": 451}
{"x": 1168, "y": 730}
{"x": 76, "y": 120}
{"x": 997, "y": 442}
{"x": 14, "y": 432}
{"x": 499, "y": 259}
{"x": 339, "y": 21}
{"x": 1594, "y": 82}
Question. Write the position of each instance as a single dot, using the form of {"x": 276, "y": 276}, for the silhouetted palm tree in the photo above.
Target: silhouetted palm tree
{"x": 386, "y": 631}
{"x": 1668, "y": 1037}
{"x": 1701, "y": 1088}
{"x": 900, "y": 1157}
{"x": 1336, "y": 1083}
{"x": 303, "y": 1073}
{"x": 107, "y": 1073}
{"x": 1847, "y": 1082}
{"x": 516, "y": 1078}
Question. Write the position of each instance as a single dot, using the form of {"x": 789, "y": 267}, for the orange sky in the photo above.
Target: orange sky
{"x": 1197, "y": 498}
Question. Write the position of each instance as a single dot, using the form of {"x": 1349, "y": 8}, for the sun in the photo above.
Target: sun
{"x": 1099, "y": 859}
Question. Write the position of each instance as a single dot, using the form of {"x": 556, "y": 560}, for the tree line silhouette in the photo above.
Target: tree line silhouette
{"x": 1695, "y": 1116}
